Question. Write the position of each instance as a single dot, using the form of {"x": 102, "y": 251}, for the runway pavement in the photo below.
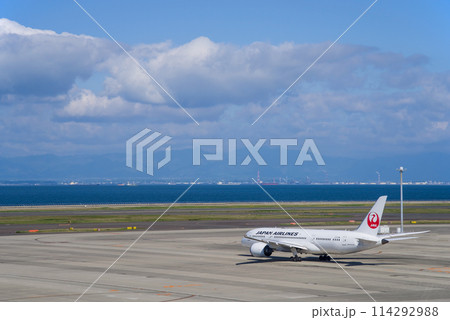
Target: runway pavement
{"x": 211, "y": 265}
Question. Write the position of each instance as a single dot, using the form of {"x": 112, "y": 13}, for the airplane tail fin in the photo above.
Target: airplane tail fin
{"x": 372, "y": 221}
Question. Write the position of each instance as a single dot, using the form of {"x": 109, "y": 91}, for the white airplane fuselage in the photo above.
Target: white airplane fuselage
{"x": 316, "y": 241}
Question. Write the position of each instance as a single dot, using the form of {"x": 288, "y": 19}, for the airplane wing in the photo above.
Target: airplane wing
{"x": 404, "y": 238}
{"x": 401, "y": 236}
{"x": 285, "y": 244}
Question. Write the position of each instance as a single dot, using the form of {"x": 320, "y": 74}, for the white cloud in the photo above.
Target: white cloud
{"x": 85, "y": 104}
{"x": 42, "y": 62}
{"x": 440, "y": 125}
{"x": 355, "y": 99}
{"x": 203, "y": 73}
{"x": 11, "y": 27}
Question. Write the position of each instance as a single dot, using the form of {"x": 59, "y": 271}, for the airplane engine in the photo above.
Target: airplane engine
{"x": 260, "y": 249}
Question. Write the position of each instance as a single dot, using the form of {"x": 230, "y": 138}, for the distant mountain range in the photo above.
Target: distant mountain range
{"x": 422, "y": 167}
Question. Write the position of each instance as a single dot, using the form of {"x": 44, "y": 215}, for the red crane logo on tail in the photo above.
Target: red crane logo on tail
{"x": 373, "y": 220}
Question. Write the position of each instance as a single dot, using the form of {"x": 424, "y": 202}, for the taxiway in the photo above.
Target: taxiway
{"x": 211, "y": 265}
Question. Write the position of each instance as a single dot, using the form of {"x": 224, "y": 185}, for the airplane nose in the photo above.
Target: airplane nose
{"x": 249, "y": 233}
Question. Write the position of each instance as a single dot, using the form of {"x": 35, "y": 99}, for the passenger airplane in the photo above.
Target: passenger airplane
{"x": 263, "y": 241}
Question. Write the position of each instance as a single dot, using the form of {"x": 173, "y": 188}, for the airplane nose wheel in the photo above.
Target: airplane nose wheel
{"x": 324, "y": 257}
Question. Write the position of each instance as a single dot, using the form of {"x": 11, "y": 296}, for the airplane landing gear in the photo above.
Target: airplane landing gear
{"x": 324, "y": 257}
{"x": 295, "y": 257}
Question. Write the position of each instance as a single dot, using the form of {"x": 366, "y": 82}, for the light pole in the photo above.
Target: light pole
{"x": 401, "y": 169}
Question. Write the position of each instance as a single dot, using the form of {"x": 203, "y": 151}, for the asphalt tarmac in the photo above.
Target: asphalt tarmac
{"x": 211, "y": 265}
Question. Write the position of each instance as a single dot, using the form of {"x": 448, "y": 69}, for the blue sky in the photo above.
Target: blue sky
{"x": 383, "y": 89}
